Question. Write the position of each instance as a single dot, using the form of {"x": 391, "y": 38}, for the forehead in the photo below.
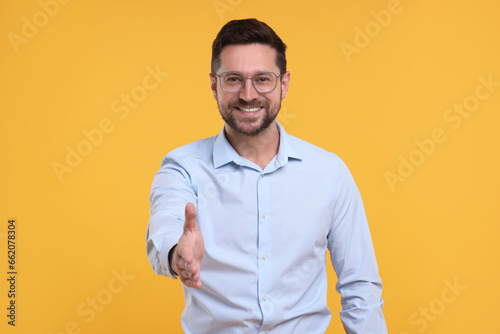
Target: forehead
{"x": 248, "y": 58}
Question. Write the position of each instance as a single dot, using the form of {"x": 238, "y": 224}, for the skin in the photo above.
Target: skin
{"x": 246, "y": 132}
{"x": 185, "y": 257}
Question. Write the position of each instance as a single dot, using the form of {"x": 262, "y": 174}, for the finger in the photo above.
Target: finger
{"x": 184, "y": 264}
{"x": 197, "y": 284}
{"x": 190, "y": 218}
{"x": 187, "y": 261}
{"x": 190, "y": 283}
{"x": 184, "y": 254}
{"x": 195, "y": 277}
{"x": 181, "y": 262}
{"x": 193, "y": 268}
{"x": 186, "y": 274}
{"x": 189, "y": 272}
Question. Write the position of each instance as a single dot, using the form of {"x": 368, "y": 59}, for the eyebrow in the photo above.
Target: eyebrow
{"x": 256, "y": 72}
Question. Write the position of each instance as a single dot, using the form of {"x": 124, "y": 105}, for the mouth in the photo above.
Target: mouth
{"x": 249, "y": 110}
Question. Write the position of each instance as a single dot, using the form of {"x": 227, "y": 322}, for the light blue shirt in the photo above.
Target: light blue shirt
{"x": 266, "y": 233}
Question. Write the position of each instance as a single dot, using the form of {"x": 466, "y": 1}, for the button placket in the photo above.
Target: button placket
{"x": 264, "y": 244}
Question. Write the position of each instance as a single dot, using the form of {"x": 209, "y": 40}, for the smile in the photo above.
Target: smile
{"x": 249, "y": 110}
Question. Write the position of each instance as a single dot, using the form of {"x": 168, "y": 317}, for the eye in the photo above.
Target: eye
{"x": 263, "y": 78}
{"x": 233, "y": 78}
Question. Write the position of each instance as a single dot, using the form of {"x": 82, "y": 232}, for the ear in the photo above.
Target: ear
{"x": 285, "y": 83}
{"x": 213, "y": 84}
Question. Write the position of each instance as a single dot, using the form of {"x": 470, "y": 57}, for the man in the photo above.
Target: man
{"x": 244, "y": 218}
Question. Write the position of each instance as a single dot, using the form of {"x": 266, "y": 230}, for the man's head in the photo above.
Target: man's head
{"x": 253, "y": 51}
{"x": 248, "y": 31}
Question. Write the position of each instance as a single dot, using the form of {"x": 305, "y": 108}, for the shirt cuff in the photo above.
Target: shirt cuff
{"x": 172, "y": 272}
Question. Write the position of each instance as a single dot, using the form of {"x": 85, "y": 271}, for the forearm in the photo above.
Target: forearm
{"x": 353, "y": 258}
{"x": 361, "y": 311}
{"x": 159, "y": 246}
{"x": 170, "y": 192}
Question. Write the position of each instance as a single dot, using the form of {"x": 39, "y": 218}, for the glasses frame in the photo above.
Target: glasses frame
{"x": 245, "y": 81}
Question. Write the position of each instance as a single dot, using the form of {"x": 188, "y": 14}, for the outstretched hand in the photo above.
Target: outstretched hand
{"x": 187, "y": 254}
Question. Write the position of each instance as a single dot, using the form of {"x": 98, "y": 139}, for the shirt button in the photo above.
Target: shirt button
{"x": 261, "y": 175}
{"x": 264, "y": 256}
{"x": 264, "y": 215}
{"x": 264, "y": 298}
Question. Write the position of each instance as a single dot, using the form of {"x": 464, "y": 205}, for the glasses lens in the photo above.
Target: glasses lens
{"x": 232, "y": 82}
{"x": 264, "y": 82}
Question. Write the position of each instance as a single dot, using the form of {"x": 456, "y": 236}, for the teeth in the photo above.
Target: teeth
{"x": 250, "y": 110}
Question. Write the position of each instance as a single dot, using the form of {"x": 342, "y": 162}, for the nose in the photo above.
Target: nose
{"x": 248, "y": 92}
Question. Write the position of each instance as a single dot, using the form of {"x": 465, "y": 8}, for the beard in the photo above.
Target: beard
{"x": 249, "y": 126}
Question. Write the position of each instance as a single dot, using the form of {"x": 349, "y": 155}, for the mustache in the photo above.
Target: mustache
{"x": 247, "y": 105}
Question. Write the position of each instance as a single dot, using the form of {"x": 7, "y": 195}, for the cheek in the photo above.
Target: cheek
{"x": 231, "y": 97}
{"x": 274, "y": 99}
{"x": 224, "y": 99}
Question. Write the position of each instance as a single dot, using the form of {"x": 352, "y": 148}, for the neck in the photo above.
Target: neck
{"x": 259, "y": 149}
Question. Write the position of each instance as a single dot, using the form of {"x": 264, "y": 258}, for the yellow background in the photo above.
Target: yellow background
{"x": 75, "y": 234}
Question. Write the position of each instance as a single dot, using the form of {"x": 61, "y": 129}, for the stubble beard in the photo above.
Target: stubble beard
{"x": 270, "y": 114}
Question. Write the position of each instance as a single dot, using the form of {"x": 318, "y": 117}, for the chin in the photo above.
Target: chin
{"x": 250, "y": 129}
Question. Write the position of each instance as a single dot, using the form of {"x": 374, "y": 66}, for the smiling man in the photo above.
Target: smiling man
{"x": 244, "y": 218}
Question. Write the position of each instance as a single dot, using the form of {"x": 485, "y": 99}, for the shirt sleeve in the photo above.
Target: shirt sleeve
{"x": 170, "y": 192}
{"x": 353, "y": 259}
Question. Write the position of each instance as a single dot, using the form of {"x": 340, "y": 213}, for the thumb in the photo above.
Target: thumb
{"x": 190, "y": 218}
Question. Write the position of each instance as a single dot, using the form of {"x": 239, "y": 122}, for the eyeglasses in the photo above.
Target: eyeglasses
{"x": 263, "y": 82}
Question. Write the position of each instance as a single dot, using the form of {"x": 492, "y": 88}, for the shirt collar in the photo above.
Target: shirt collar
{"x": 224, "y": 153}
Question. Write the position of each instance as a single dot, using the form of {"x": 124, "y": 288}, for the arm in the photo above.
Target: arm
{"x": 172, "y": 227}
{"x": 185, "y": 257}
{"x": 353, "y": 259}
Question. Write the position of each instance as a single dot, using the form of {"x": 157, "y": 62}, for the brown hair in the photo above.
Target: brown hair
{"x": 248, "y": 31}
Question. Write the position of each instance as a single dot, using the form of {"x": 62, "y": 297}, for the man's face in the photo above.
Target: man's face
{"x": 249, "y": 112}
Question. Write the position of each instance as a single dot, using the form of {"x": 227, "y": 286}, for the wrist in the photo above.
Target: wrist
{"x": 170, "y": 259}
